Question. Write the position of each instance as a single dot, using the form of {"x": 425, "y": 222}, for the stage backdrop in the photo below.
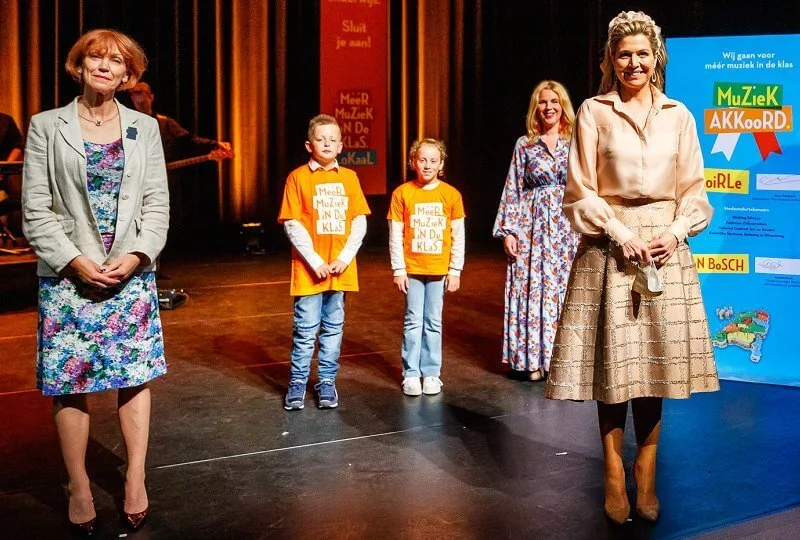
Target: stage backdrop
{"x": 744, "y": 92}
{"x": 353, "y": 78}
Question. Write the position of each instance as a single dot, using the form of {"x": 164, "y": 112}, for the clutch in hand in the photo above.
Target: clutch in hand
{"x": 647, "y": 281}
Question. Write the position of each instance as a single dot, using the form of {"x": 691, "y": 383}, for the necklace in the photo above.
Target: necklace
{"x": 96, "y": 122}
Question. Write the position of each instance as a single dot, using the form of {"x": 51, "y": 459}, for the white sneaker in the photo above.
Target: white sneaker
{"x": 412, "y": 386}
{"x": 431, "y": 385}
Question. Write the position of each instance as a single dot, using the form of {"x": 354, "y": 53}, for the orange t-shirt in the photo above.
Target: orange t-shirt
{"x": 426, "y": 215}
{"x": 325, "y": 202}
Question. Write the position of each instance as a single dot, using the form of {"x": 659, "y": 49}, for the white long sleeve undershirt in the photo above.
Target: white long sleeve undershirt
{"x": 301, "y": 240}
{"x": 358, "y": 229}
{"x": 457, "y": 249}
{"x": 396, "y": 257}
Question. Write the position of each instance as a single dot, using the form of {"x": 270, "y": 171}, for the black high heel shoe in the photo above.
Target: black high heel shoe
{"x": 136, "y": 521}
{"x": 85, "y": 529}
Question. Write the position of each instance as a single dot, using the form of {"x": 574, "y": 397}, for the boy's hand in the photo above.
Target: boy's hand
{"x": 322, "y": 271}
{"x": 452, "y": 283}
{"x": 401, "y": 282}
{"x": 337, "y": 267}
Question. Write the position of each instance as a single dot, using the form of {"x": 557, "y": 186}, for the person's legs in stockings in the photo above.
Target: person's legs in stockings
{"x": 647, "y": 423}
{"x": 612, "y": 428}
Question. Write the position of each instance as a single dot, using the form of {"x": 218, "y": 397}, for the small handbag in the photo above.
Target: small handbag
{"x": 647, "y": 281}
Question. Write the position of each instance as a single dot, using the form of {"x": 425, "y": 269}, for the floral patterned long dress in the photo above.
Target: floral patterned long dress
{"x": 536, "y": 281}
{"x": 91, "y": 340}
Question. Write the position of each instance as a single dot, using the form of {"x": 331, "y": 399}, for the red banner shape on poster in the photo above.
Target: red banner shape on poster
{"x": 353, "y": 75}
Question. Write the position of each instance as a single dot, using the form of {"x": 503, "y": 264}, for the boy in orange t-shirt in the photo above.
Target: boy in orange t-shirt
{"x": 426, "y": 244}
{"x": 324, "y": 215}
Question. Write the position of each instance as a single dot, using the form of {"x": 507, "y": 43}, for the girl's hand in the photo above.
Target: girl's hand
{"x": 90, "y": 273}
{"x": 510, "y": 245}
{"x": 401, "y": 282}
{"x": 662, "y": 247}
{"x": 122, "y": 268}
{"x": 452, "y": 283}
{"x": 636, "y": 251}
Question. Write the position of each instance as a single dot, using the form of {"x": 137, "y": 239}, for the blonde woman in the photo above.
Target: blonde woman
{"x": 635, "y": 190}
{"x": 536, "y": 235}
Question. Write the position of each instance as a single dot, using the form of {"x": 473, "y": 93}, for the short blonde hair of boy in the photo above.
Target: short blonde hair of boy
{"x": 632, "y": 23}
{"x": 321, "y": 120}
{"x": 532, "y": 122}
{"x": 415, "y": 146}
{"x": 100, "y": 40}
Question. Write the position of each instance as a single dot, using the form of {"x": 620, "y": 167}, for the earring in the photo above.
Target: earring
{"x": 653, "y": 78}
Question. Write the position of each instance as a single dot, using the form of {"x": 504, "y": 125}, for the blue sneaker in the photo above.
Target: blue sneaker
{"x": 327, "y": 396}
{"x": 295, "y": 396}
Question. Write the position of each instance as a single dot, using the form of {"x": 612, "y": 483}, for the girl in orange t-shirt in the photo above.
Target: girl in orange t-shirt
{"x": 426, "y": 244}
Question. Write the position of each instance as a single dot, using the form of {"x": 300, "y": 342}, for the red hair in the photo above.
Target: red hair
{"x": 100, "y": 40}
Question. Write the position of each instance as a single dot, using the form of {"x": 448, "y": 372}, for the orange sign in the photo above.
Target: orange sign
{"x": 353, "y": 75}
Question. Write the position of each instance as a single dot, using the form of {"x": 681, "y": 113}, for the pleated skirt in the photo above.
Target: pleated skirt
{"x": 612, "y": 343}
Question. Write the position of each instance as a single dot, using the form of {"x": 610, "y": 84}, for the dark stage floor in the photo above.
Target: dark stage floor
{"x": 488, "y": 458}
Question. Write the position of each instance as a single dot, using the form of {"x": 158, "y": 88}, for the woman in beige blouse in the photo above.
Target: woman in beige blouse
{"x": 635, "y": 190}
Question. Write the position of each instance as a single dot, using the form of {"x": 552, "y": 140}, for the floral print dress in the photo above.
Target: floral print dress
{"x": 536, "y": 281}
{"x": 90, "y": 339}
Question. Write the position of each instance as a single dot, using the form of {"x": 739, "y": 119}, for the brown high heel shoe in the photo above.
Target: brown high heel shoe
{"x": 646, "y": 511}
{"x": 617, "y": 514}
{"x": 136, "y": 521}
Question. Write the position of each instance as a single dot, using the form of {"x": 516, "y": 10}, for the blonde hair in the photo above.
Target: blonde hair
{"x": 632, "y": 23}
{"x": 321, "y": 120}
{"x": 533, "y": 123}
{"x": 415, "y": 146}
{"x": 100, "y": 40}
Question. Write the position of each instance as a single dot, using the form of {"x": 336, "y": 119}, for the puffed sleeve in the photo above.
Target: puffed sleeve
{"x": 588, "y": 213}
{"x": 508, "y": 212}
{"x": 693, "y": 213}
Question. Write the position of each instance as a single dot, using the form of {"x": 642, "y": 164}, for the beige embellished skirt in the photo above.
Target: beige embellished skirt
{"x": 612, "y": 343}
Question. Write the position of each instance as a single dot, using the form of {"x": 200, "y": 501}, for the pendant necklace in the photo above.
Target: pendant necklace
{"x": 96, "y": 122}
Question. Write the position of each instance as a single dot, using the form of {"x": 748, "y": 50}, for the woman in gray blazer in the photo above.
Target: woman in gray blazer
{"x": 96, "y": 211}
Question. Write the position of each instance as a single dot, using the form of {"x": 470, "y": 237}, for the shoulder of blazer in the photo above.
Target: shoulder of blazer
{"x": 142, "y": 120}
{"x": 48, "y": 117}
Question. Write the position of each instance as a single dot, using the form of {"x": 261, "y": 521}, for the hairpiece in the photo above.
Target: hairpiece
{"x": 635, "y": 16}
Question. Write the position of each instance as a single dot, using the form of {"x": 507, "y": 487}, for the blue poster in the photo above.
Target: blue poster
{"x": 743, "y": 92}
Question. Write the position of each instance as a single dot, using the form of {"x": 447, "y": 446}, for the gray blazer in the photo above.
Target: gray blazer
{"x": 57, "y": 218}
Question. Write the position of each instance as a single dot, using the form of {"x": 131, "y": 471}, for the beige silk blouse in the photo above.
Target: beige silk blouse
{"x": 612, "y": 160}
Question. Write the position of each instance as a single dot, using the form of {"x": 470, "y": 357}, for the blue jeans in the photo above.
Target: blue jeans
{"x": 325, "y": 310}
{"x": 422, "y": 328}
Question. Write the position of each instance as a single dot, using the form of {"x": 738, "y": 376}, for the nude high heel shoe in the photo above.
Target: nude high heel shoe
{"x": 616, "y": 512}
{"x": 645, "y": 490}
